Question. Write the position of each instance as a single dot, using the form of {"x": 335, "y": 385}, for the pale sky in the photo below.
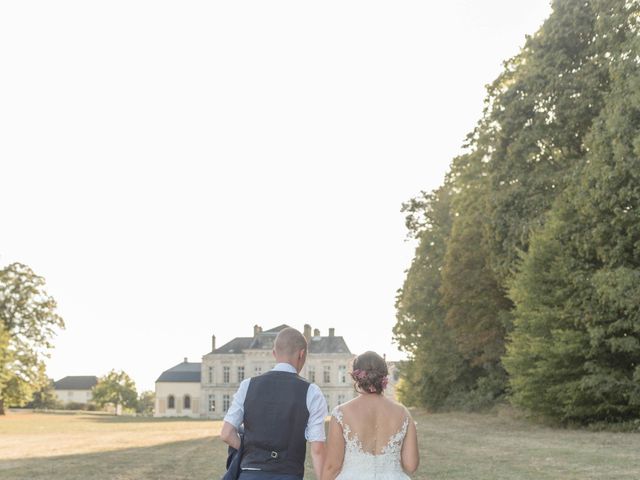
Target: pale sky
{"x": 181, "y": 169}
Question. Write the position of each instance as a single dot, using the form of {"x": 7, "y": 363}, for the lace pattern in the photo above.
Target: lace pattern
{"x": 360, "y": 464}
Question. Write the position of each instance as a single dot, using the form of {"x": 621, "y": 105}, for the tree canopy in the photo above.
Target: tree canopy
{"x": 117, "y": 389}
{"x": 532, "y": 287}
{"x": 28, "y": 322}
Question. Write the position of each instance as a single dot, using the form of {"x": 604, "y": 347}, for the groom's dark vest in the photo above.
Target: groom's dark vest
{"x": 275, "y": 418}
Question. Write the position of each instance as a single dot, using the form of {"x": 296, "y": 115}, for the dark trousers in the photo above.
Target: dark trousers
{"x": 254, "y": 475}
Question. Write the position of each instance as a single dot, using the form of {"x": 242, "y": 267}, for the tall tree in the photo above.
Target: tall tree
{"x": 477, "y": 309}
{"x": 538, "y": 112}
{"x": 575, "y": 349}
{"x": 115, "y": 388}
{"x": 435, "y": 371}
{"x": 28, "y": 322}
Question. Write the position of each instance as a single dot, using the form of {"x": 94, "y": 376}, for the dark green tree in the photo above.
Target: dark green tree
{"x": 538, "y": 112}
{"x": 575, "y": 349}
{"x": 28, "y": 322}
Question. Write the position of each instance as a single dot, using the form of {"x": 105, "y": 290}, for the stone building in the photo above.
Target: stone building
{"x": 178, "y": 391}
{"x": 75, "y": 389}
{"x": 216, "y": 379}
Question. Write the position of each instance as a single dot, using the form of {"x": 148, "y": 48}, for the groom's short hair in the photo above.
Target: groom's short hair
{"x": 289, "y": 341}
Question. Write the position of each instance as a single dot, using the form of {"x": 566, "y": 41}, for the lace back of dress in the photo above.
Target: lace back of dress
{"x": 359, "y": 463}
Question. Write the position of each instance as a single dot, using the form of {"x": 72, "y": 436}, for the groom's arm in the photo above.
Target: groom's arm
{"x": 317, "y": 457}
{"x": 314, "y": 433}
{"x": 229, "y": 435}
{"x": 234, "y": 416}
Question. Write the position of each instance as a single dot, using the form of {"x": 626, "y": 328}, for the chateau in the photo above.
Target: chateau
{"x": 205, "y": 390}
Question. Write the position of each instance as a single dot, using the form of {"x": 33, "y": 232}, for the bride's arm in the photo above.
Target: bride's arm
{"x": 410, "y": 454}
{"x": 335, "y": 451}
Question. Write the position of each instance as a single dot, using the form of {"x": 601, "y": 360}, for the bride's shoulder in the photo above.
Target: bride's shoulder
{"x": 398, "y": 408}
{"x": 338, "y": 409}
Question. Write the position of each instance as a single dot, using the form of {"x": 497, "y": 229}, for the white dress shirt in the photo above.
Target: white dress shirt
{"x": 316, "y": 404}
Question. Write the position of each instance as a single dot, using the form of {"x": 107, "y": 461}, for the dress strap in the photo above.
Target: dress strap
{"x": 337, "y": 414}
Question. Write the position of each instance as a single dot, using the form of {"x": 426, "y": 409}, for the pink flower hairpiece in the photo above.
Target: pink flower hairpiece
{"x": 359, "y": 374}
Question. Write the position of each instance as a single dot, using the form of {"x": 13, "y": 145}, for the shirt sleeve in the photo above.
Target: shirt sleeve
{"x": 235, "y": 414}
{"x": 317, "y": 406}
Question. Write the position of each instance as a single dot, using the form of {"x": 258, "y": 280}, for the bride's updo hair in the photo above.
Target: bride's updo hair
{"x": 370, "y": 373}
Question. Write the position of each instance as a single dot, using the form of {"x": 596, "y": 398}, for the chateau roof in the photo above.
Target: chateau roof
{"x": 183, "y": 372}
{"x": 264, "y": 341}
{"x": 81, "y": 382}
{"x": 328, "y": 345}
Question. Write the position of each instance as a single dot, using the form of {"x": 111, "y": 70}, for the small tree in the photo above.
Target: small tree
{"x": 115, "y": 388}
{"x": 45, "y": 397}
{"x": 146, "y": 403}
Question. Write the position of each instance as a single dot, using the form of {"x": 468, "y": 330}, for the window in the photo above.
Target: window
{"x": 212, "y": 403}
{"x": 258, "y": 370}
{"x": 340, "y": 399}
{"x": 327, "y": 374}
{"x": 171, "y": 402}
{"x": 225, "y": 374}
{"x": 210, "y": 374}
{"x": 342, "y": 374}
{"x": 311, "y": 373}
{"x": 240, "y": 374}
{"x": 187, "y": 402}
{"x": 225, "y": 403}
{"x": 326, "y": 397}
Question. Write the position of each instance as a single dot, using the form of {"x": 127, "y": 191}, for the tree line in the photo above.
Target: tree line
{"x": 525, "y": 283}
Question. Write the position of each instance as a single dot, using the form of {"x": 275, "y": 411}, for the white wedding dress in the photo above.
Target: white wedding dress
{"x": 362, "y": 465}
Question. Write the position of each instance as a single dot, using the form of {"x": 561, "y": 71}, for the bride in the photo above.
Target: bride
{"x": 371, "y": 436}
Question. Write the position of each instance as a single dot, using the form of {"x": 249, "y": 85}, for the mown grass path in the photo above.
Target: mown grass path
{"x": 454, "y": 446}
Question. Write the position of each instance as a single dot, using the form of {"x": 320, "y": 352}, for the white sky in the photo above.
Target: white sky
{"x": 178, "y": 169}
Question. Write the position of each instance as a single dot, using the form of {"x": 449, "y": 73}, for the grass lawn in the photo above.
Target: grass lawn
{"x": 458, "y": 446}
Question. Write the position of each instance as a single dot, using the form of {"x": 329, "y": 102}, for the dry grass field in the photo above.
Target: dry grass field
{"x": 94, "y": 446}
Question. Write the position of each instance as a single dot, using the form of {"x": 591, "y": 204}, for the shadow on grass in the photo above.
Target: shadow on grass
{"x": 198, "y": 459}
{"x": 131, "y": 419}
{"x": 104, "y": 417}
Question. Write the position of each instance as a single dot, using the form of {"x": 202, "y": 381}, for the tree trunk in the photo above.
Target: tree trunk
{"x": 2, "y": 406}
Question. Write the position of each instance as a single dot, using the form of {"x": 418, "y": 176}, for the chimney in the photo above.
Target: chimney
{"x": 185, "y": 360}
{"x": 307, "y": 331}
{"x": 332, "y": 332}
{"x": 316, "y": 332}
{"x": 256, "y": 330}
{"x": 213, "y": 342}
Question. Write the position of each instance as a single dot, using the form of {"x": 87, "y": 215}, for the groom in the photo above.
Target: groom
{"x": 280, "y": 412}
